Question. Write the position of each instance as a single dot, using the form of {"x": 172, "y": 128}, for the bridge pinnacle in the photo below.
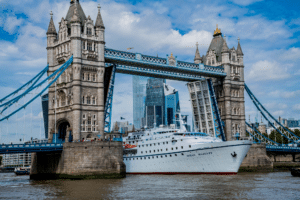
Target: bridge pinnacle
{"x": 51, "y": 27}
{"x": 239, "y": 48}
{"x": 99, "y": 21}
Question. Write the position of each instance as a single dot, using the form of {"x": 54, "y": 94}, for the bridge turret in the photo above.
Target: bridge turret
{"x": 240, "y": 54}
{"x": 51, "y": 37}
{"x": 100, "y": 31}
{"x": 197, "y": 58}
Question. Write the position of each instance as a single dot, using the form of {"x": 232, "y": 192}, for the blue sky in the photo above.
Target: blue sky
{"x": 269, "y": 33}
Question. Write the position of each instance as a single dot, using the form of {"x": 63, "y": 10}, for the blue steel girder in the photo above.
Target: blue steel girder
{"x": 109, "y": 101}
{"x": 160, "y": 64}
{"x": 260, "y": 136}
{"x": 29, "y": 148}
{"x": 216, "y": 113}
{"x": 283, "y": 149}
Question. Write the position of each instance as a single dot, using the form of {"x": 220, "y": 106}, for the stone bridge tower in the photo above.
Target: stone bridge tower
{"x": 76, "y": 103}
{"x": 229, "y": 90}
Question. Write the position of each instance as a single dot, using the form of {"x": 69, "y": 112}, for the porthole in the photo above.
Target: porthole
{"x": 156, "y": 156}
{"x": 158, "y": 143}
{"x": 182, "y": 153}
{"x": 166, "y": 156}
{"x": 161, "y": 156}
{"x": 190, "y": 146}
{"x": 150, "y": 151}
{"x": 181, "y": 147}
{"x": 167, "y": 142}
{"x": 144, "y": 158}
{"x": 175, "y": 154}
{"x": 161, "y": 150}
{"x": 172, "y": 148}
{"x": 150, "y": 145}
{"x": 163, "y": 142}
{"x": 148, "y": 157}
{"x": 154, "y": 151}
{"x": 170, "y": 155}
{"x": 176, "y": 147}
{"x": 166, "y": 149}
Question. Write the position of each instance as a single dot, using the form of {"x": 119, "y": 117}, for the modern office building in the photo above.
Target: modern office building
{"x": 290, "y": 123}
{"x": 154, "y": 102}
{"x": 139, "y": 95}
{"x": 161, "y": 103}
{"x": 172, "y": 106}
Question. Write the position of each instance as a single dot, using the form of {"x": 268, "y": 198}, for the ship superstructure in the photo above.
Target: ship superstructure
{"x": 171, "y": 150}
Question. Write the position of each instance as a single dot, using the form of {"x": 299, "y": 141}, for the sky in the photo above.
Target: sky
{"x": 269, "y": 33}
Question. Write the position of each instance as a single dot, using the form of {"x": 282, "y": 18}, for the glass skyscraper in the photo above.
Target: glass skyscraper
{"x": 138, "y": 101}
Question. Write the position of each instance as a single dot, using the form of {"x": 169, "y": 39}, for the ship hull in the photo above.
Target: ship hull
{"x": 222, "y": 158}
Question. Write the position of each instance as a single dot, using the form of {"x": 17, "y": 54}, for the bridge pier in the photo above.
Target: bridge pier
{"x": 80, "y": 160}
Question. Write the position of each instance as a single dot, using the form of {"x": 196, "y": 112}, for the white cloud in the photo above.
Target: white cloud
{"x": 245, "y": 2}
{"x": 267, "y": 70}
{"x": 285, "y": 94}
{"x": 296, "y": 107}
{"x": 12, "y": 23}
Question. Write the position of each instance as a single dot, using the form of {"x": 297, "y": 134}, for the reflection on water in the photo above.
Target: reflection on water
{"x": 279, "y": 185}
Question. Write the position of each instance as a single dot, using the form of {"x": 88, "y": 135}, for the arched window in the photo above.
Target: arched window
{"x": 94, "y": 77}
{"x": 233, "y": 58}
{"x": 63, "y": 100}
{"x": 89, "y": 121}
{"x": 83, "y": 76}
{"x": 83, "y": 100}
{"x": 94, "y": 100}
{"x": 88, "y": 77}
{"x": 88, "y": 100}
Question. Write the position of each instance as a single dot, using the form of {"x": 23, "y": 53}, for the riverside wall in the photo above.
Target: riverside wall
{"x": 80, "y": 160}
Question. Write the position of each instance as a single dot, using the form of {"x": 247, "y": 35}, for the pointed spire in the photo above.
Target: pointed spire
{"x": 225, "y": 48}
{"x": 99, "y": 21}
{"x": 75, "y": 17}
{"x": 197, "y": 58}
{"x": 239, "y": 49}
{"x": 51, "y": 27}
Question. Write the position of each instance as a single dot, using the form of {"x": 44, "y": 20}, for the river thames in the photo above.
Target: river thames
{"x": 275, "y": 185}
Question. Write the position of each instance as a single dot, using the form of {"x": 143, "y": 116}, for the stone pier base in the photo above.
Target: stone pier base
{"x": 80, "y": 160}
{"x": 257, "y": 159}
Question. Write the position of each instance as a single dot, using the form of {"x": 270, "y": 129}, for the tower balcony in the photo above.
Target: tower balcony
{"x": 89, "y": 55}
{"x": 63, "y": 57}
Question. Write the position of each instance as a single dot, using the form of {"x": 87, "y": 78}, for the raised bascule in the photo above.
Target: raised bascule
{"x": 81, "y": 73}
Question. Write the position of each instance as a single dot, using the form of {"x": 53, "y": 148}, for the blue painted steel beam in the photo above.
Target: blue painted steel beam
{"x": 30, "y": 148}
{"x": 216, "y": 112}
{"x": 283, "y": 149}
{"x": 109, "y": 101}
{"x": 157, "y": 73}
{"x": 260, "y": 136}
{"x": 161, "y": 64}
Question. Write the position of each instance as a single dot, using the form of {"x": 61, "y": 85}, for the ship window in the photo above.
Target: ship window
{"x": 156, "y": 156}
{"x": 137, "y": 158}
{"x": 163, "y": 142}
{"x": 154, "y": 143}
{"x": 141, "y": 151}
{"x": 175, "y": 154}
{"x": 146, "y": 151}
{"x": 176, "y": 147}
{"x": 166, "y": 156}
{"x": 182, "y": 153}
{"x": 142, "y": 145}
{"x": 148, "y": 157}
{"x": 161, "y": 156}
{"x": 181, "y": 147}
{"x": 181, "y": 139}
{"x": 170, "y": 155}
{"x": 167, "y": 142}
{"x": 129, "y": 158}
{"x": 161, "y": 150}
{"x": 126, "y": 158}
{"x": 146, "y": 145}
{"x": 132, "y": 158}
{"x": 133, "y": 142}
{"x": 154, "y": 151}
{"x": 150, "y": 151}
{"x": 139, "y": 145}
{"x": 172, "y": 148}
{"x": 157, "y": 150}
{"x": 144, "y": 157}
{"x": 190, "y": 146}
{"x": 129, "y": 142}
{"x": 148, "y": 133}
{"x": 166, "y": 149}
{"x": 150, "y": 145}
{"x": 158, "y": 143}
{"x": 152, "y": 156}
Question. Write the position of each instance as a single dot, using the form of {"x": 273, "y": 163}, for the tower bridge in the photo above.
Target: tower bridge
{"x": 81, "y": 71}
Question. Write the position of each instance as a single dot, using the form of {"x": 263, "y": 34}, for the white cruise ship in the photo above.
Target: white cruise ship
{"x": 175, "y": 151}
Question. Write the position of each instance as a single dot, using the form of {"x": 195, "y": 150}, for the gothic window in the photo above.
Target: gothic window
{"x": 83, "y": 100}
{"x": 83, "y": 76}
{"x": 213, "y": 61}
{"x": 94, "y": 123}
{"x": 83, "y": 116}
{"x": 94, "y": 129}
{"x": 64, "y": 36}
{"x": 66, "y": 48}
{"x": 89, "y": 46}
{"x": 63, "y": 100}
{"x": 88, "y": 77}
{"x": 94, "y": 102}
{"x": 209, "y": 63}
{"x": 89, "y": 121}
{"x": 83, "y": 44}
{"x": 88, "y": 100}
{"x": 233, "y": 58}
{"x": 83, "y": 122}
{"x": 95, "y": 47}
{"x": 89, "y": 31}
{"x": 94, "y": 77}
{"x": 69, "y": 31}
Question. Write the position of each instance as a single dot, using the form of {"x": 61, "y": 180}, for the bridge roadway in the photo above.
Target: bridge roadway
{"x": 47, "y": 147}
{"x": 143, "y": 65}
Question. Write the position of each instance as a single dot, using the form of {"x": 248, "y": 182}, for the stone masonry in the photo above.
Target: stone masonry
{"x": 229, "y": 90}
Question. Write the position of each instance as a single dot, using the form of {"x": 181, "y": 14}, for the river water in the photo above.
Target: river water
{"x": 275, "y": 185}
